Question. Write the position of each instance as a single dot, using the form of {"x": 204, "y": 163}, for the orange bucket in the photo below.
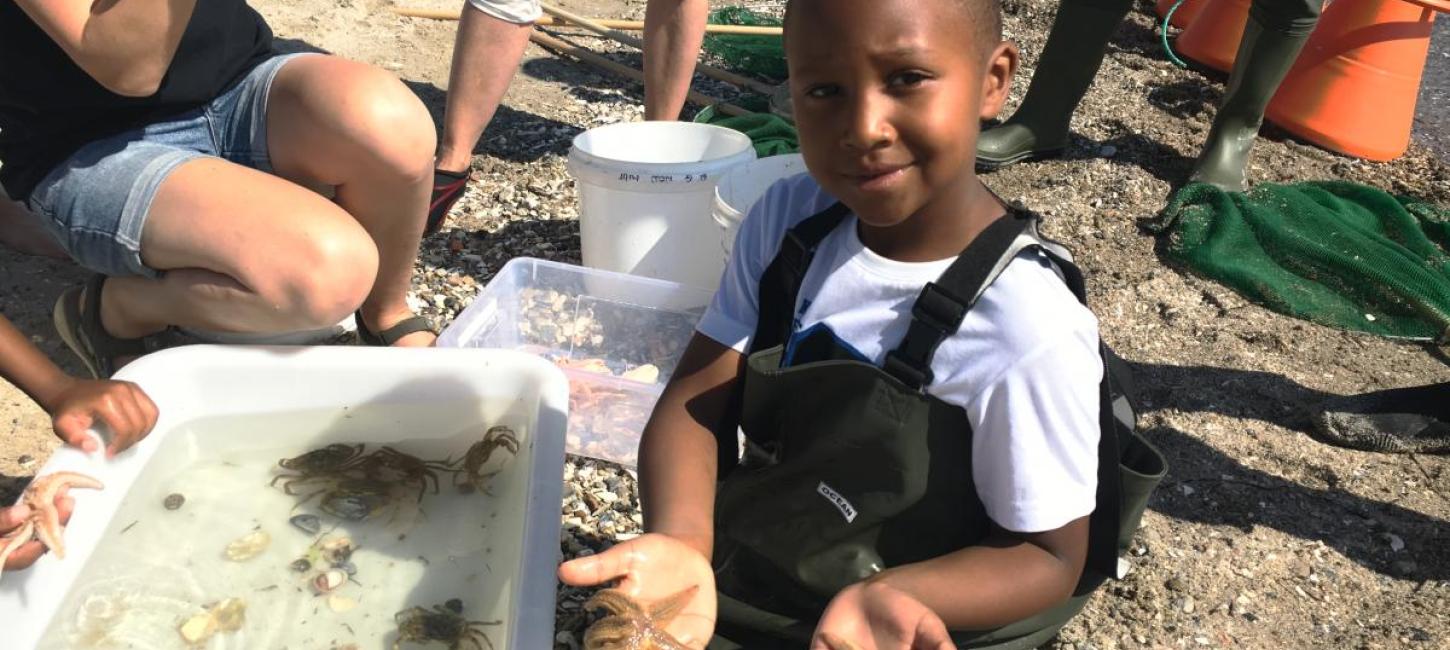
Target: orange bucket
{"x": 1185, "y": 14}
{"x": 1354, "y": 86}
{"x": 1212, "y": 37}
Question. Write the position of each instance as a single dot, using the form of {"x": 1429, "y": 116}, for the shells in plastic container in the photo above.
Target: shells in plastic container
{"x": 329, "y": 580}
{"x": 229, "y": 614}
{"x": 248, "y": 546}
{"x": 197, "y": 629}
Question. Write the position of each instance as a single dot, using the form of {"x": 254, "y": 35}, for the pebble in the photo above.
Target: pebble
{"x": 1176, "y": 583}
{"x": 25, "y": 461}
{"x": 173, "y": 501}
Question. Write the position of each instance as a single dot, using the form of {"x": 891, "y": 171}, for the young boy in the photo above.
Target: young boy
{"x": 904, "y": 475}
{"x": 74, "y": 405}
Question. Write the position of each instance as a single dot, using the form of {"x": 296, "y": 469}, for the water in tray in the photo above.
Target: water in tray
{"x": 159, "y": 570}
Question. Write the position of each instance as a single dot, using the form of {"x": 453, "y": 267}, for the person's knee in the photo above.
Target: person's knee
{"x": 395, "y": 128}
{"x": 327, "y": 277}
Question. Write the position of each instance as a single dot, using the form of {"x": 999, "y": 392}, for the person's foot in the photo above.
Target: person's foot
{"x": 447, "y": 189}
{"x": 1400, "y": 420}
{"x": 399, "y": 330}
{"x": 1224, "y": 158}
{"x": 1015, "y": 142}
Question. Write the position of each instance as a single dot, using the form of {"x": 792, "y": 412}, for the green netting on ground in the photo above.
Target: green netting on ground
{"x": 1332, "y": 252}
{"x": 771, "y": 134}
{"x": 762, "y": 56}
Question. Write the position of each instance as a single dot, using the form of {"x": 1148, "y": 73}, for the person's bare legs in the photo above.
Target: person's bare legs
{"x": 246, "y": 251}
{"x": 486, "y": 53}
{"x": 673, "y": 32}
{"x": 242, "y": 251}
{"x": 336, "y": 122}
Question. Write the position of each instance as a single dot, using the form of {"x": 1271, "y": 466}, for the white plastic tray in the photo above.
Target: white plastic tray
{"x": 201, "y": 382}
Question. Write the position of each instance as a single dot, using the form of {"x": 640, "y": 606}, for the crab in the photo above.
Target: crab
{"x": 319, "y": 464}
{"x": 472, "y": 476}
{"x": 392, "y": 466}
{"x": 355, "y": 499}
{"x": 632, "y": 626}
{"x": 444, "y": 624}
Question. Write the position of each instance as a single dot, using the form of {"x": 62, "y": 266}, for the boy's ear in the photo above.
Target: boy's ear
{"x": 1001, "y": 66}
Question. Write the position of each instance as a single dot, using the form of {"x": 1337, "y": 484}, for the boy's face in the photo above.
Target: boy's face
{"x": 888, "y": 95}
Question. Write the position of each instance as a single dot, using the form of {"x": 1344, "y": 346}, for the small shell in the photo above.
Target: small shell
{"x": 230, "y": 614}
{"x": 197, "y": 629}
{"x": 301, "y": 565}
{"x": 248, "y": 546}
{"x": 173, "y": 501}
{"x": 309, "y": 524}
{"x": 328, "y": 580}
{"x": 340, "y": 604}
{"x": 347, "y": 567}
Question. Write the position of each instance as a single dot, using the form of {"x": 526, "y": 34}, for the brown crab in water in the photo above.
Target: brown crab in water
{"x": 631, "y": 626}
{"x": 445, "y": 624}
{"x": 318, "y": 465}
{"x": 392, "y": 466}
{"x": 472, "y": 474}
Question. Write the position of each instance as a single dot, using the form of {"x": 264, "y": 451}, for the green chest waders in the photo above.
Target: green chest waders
{"x": 850, "y": 468}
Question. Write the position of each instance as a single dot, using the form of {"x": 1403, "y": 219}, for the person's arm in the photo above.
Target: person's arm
{"x": 1012, "y": 576}
{"x": 125, "y": 45}
{"x": 673, "y": 32}
{"x": 74, "y": 404}
{"x": 678, "y": 462}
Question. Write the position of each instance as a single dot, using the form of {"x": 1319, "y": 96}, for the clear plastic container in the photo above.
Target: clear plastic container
{"x": 617, "y": 337}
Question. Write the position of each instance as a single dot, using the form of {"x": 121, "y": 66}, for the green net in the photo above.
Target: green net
{"x": 1332, "y": 252}
{"x": 762, "y": 56}
{"x": 771, "y": 134}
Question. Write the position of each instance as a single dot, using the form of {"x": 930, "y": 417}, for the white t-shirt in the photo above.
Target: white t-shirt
{"x": 1024, "y": 365}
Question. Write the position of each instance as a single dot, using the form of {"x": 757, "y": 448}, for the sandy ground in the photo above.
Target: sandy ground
{"x": 1260, "y": 537}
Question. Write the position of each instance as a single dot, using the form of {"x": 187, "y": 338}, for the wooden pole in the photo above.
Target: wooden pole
{"x": 621, "y": 37}
{"x": 591, "y": 58}
{"x": 630, "y": 25}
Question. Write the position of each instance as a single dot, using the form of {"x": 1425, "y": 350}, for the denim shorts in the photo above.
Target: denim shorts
{"x": 95, "y": 202}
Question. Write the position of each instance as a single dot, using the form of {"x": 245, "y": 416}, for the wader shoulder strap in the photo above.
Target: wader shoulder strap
{"x": 780, "y": 285}
{"x": 943, "y": 305}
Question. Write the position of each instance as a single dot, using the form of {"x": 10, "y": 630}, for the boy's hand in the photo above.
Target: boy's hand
{"x": 122, "y": 406}
{"x": 650, "y": 568}
{"x": 13, "y": 516}
{"x": 875, "y": 616}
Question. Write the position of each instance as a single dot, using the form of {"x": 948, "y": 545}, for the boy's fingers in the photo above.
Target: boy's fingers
{"x": 596, "y": 569}
{"x": 64, "y": 506}
{"x": 24, "y": 556}
{"x": 149, "y": 412}
{"x": 12, "y": 517}
{"x": 71, "y": 427}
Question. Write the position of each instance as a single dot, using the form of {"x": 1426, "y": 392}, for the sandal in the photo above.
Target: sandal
{"x": 447, "y": 189}
{"x": 77, "y": 319}
{"x": 387, "y": 337}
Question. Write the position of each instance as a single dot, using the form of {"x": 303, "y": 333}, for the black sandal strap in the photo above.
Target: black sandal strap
{"x": 391, "y": 335}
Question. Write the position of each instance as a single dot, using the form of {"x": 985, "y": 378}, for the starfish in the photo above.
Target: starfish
{"x": 44, "y": 521}
{"x": 630, "y": 626}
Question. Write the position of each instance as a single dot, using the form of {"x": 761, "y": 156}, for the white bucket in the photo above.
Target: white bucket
{"x": 645, "y": 189}
{"x": 743, "y": 186}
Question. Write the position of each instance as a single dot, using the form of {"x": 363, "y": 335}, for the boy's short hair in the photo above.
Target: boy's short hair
{"x": 985, "y": 15}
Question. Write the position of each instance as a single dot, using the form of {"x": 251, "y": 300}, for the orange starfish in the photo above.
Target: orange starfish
{"x": 44, "y": 521}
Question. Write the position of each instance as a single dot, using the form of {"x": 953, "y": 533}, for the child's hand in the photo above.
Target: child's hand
{"x": 650, "y": 568}
{"x": 13, "y": 516}
{"x": 123, "y": 406}
{"x": 875, "y": 616}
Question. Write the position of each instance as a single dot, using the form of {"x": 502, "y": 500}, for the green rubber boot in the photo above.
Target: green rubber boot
{"x": 1074, "y": 51}
{"x": 1265, "y": 56}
